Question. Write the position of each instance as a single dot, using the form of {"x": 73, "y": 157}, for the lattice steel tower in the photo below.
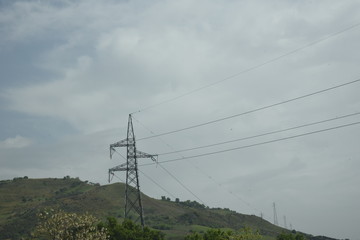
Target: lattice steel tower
{"x": 275, "y": 215}
{"x": 133, "y": 202}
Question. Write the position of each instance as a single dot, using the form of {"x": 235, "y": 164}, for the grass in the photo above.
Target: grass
{"x": 22, "y": 199}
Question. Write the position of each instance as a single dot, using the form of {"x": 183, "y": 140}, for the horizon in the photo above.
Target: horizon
{"x": 245, "y": 102}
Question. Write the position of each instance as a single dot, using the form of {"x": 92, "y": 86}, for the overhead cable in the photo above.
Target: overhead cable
{"x": 157, "y": 184}
{"x": 118, "y": 177}
{"x": 199, "y": 169}
{"x": 152, "y": 180}
{"x": 251, "y": 68}
{"x": 119, "y": 154}
{"x": 252, "y": 111}
{"x": 260, "y": 135}
{"x": 176, "y": 179}
{"x": 256, "y": 144}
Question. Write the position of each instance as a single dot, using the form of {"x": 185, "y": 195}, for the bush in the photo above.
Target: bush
{"x": 218, "y": 234}
{"x": 68, "y": 226}
{"x": 290, "y": 236}
{"x": 128, "y": 230}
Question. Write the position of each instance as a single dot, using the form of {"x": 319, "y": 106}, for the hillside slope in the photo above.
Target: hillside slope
{"x": 22, "y": 198}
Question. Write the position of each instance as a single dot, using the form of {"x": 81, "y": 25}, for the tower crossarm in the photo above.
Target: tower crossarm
{"x": 122, "y": 143}
{"x": 121, "y": 167}
{"x": 133, "y": 204}
{"x": 140, "y": 154}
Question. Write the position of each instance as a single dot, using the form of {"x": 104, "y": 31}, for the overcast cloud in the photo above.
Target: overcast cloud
{"x": 72, "y": 71}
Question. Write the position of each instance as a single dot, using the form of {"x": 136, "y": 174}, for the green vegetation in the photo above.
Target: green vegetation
{"x": 128, "y": 230}
{"x": 290, "y": 236}
{"x": 68, "y": 226}
{"x": 22, "y": 199}
{"x": 219, "y": 234}
{"x": 60, "y": 225}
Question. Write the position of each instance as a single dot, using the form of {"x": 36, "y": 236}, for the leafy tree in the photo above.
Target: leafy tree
{"x": 218, "y": 234}
{"x": 290, "y": 236}
{"x": 193, "y": 204}
{"x": 246, "y": 233}
{"x": 68, "y": 226}
{"x": 128, "y": 230}
{"x": 194, "y": 236}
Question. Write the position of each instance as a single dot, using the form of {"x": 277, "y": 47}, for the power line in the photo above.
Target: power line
{"x": 130, "y": 143}
{"x": 208, "y": 176}
{"x": 256, "y": 144}
{"x": 120, "y": 154}
{"x": 251, "y": 68}
{"x": 118, "y": 177}
{"x": 157, "y": 184}
{"x": 252, "y": 111}
{"x": 176, "y": 179}
{"x": 152, "y": 180}
{"x": 259, "y": 135}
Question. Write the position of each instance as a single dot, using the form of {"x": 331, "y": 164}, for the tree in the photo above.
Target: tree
{"x": 194, "y": 236}
{"x": 68, "y": 226}
{"x": 218, "y": 234}
{"x": 246, "y": 233}
{"x": 128, "y": 230}
{"x": 290, "y": 236}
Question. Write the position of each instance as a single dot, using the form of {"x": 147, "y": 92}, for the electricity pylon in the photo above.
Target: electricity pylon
{"x": 132, "y": 190}
{"x": 275, "y": 215}
{"x": 285, "y": 224}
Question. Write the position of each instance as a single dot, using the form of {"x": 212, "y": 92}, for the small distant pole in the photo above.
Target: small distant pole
{"x": 275, "y": 214}
{"x": 285, "y": 225}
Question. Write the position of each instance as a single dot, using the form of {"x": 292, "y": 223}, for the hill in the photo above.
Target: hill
{"x": 22, "y": 198}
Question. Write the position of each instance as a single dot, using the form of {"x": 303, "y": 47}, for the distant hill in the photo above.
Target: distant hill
{"x": 22, "y": 198}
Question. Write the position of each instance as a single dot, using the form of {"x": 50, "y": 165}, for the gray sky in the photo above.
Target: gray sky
{"x": 72, "y": 71}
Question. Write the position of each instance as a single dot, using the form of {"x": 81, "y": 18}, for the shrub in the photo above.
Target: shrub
{"x": 68, "y": 226}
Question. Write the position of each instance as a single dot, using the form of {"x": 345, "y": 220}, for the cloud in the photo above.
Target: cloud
{"x": 104, "y": 60}
{"x": 98, "y": 56}
{"x": 16, "y": 142}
